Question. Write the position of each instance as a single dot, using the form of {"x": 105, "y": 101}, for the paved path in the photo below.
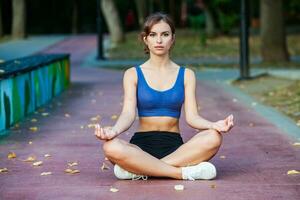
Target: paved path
{"x": 257, "y": 153}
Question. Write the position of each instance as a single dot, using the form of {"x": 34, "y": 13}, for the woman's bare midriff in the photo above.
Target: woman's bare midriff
{"x": 159, "y": 124}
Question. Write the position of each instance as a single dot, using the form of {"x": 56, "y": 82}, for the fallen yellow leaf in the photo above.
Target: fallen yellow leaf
{"x": 67, "y": 115}
{"x": 38, "y": 163}
{"x": 46, "y": 173}
{"x": 290, "y": 172}
{"x": 72, "y": 171}
{"x": 3, "y": 170}
{"x": 30, "y": 142}
{"x": 104, "y": 167}
{"x": 114, "y": 189}
{"x": 71, "y": 164}
{"x": 114, "y": 117}
{"x": 179, "y": 187}
{"x": 11, "y": 155}
{"x": 213, "y": 186}
{"x": 91, "y": 126}
{"x": 96, "y": 118}
{"x": 45, "y": 114}
{"x": 33, "y": 129}
{"x": 30, "y": 159}
{"x": 222, "y": 157}
{"x": 82, "y": 127}
{"x": 47, "y": 155}
{"x": 33, "y": 120}
{"x": 296, "y": 144}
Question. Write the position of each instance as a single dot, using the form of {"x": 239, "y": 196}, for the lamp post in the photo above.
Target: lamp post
{"x": 100, "y": 55}
{"x": 244, "y": 45}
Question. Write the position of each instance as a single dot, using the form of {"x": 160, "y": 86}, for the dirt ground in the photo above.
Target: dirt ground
{"x": 279, "y": 93}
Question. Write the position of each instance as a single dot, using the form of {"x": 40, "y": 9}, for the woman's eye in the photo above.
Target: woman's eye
{"x": 166, "y": 34}
{"x": 151, "y": 34}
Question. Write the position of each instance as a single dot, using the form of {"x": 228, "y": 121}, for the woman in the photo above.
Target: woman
{"x": 158, "y": 88}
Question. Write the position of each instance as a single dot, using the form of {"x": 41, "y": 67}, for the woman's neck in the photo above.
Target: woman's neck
{"x": 159, "y": 62}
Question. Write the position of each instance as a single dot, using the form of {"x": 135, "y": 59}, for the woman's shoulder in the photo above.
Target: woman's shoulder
{"x": 189, "y": 75}
{"x": 130, "y": 74}
{"x": 189, "y": 72}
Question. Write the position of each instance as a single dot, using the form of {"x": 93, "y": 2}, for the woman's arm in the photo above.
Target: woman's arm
{"x": 128, "y": 113}
{"x": 191, "y": 111}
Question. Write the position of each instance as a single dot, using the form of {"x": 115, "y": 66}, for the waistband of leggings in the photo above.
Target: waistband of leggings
{"x": 157, "y": 132}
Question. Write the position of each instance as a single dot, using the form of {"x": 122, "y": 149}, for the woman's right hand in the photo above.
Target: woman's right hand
{"x": 105, "y": 133}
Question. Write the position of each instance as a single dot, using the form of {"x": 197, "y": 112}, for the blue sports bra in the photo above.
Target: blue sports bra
{"x": 151, "y": 102}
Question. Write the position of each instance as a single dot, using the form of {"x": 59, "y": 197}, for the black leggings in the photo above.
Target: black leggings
{"x": 157, "y": 143}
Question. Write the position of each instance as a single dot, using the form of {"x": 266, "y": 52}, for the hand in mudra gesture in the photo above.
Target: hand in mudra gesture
{"x": 224, "y": 125}
{"x": 105, "y": 133}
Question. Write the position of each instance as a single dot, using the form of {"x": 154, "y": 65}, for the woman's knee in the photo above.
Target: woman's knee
{"x": 113, "y": 149}
{"x": 213, "y": 139}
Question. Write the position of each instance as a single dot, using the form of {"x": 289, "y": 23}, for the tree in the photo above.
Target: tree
{"x": 112, "y": 19}
{"x": 19, "y": 19}
{"x": 75, "y": 16}
{"x": 273, "y": 39}
{"x": 1, "y": 25}
{"x": 141, "y": 11}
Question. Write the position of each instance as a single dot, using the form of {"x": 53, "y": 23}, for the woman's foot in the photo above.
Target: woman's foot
{"x": 203, "y": 170}
{"x": 121, "y": 173}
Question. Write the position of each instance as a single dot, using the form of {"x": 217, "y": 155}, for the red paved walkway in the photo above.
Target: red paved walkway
{"x": 257, "y": 155}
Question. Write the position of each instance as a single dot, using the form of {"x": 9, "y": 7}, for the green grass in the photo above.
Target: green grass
{"x": 279, "y": 93}
{"x": 188, "y": 45}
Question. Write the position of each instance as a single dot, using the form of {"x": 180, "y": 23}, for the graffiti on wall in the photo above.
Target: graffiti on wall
{"x": 22, "y": 94}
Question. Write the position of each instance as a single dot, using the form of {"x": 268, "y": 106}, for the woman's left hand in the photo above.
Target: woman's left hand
{"x": 224, "y": 125}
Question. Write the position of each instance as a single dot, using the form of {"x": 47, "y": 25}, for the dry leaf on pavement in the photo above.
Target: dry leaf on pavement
{"x": 290, "y": 172}
{"x": 71, "y": 164}
{"x": 296, "y": 144}
{"x": 114, "y": 189}
{"x": 33, "y": 128}
{"x": 46, "y": 173}
{"x": 72, "y": 171}
{"x": 38, "y": 163}
{"x": 3, "y": 170}
{"x": 30, "y": 159}
{"x": 179, "y": 187}
{"x": 45, "y": 114}
{"x": 11, "y": 155}
{"x": 114, "y": 117}
{"x": 104, "y": 167}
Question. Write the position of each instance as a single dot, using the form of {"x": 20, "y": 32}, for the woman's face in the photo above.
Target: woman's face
{"x": 160, "y": 38}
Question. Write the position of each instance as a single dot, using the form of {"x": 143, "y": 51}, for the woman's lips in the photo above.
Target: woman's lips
{"x": 158, "y": 47}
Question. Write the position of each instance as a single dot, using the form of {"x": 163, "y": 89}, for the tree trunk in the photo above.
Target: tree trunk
{"x": 273, "y": 39}
{"x": 19, "y": 19}
{"x": 141, "y": 11}
{"x": 172, "y": 9}
{"x": 1, "y": 25}
{"x": 112, "y": 19}
{"x": 210, "y": 25}
{"x": 75, "y": 17}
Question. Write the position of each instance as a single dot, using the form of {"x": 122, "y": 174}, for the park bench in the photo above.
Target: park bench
{"x": 30, "y": 82}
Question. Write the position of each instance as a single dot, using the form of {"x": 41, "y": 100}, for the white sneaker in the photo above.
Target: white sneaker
{"x": 121, "y": 173}
{"x": 203, "y": 170}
